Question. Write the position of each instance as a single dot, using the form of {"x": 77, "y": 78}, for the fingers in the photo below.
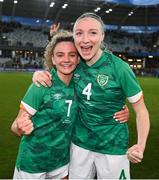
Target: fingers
{"x": 135, "y": 156}
{"x": 45, "y": 79}
{"x": 28, "y": 129}
{"x": 25, "y": 125}
{"x": 48, "y": 74}
{"x": 22, "y": 123}
{"x": 122, "y": 116}
{"x": 58, "y": 25}
{"x": 54, "y": 28}
{"x": 44, "y": 83}
{"x": 34, "y": 78}
{"x": 42, "y": 77}
{"x": 125, "y": 107}
{"x": 135, "y": 153}
{"x": 37, "y": 83}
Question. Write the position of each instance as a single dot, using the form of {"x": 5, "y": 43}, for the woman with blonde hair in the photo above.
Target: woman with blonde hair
{"x": 45, "y": 143}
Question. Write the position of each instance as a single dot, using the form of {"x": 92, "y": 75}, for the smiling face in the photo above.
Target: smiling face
{"x": 88, "y": 37}
{"x": 65, "y": 58}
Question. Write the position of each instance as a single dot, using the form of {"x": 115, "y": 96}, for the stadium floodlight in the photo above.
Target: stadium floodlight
{"x": 130, "y": 60}
{"x": 15, "y": 1}
{"x": 1, "y": 0}
{"x": 97, "y": 9}
{"x": 139, "y": 66}
{"x": 109, "y": 10}
{"x": 130, "y": 13}
{"x": 52, "y": 4}
{"x": 64, "y": 6}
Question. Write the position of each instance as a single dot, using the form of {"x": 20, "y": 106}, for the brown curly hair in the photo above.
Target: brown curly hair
{"x": 60, "y": 36}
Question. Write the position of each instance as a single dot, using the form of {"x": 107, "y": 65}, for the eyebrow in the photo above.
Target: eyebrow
{"x": 64, "y": 52}
{"x": 89, "y": 29}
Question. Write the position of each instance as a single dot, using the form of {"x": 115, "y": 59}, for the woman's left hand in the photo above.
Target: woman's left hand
{"x": 123, "y": 115}
{"x": 135, "y": 153}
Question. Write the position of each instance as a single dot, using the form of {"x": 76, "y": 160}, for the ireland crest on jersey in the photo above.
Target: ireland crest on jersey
{"x": 102, "y": 79}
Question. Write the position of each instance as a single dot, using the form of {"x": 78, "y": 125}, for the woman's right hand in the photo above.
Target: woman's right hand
{"x": 22, "y": 125}
{"x": 42, "y": 77}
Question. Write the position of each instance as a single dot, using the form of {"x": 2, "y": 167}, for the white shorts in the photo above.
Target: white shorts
{"x": 85, "y": 164}
{"x": 56, "y": 174}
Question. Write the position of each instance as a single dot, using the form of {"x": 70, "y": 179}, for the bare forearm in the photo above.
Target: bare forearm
{"x": 135, "y": 153}
{"x": 142, "y": 121}
{"x": 143, "y": 126}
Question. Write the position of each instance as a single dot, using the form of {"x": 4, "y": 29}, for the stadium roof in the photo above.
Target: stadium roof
{"x": 136, "y": 2}
{"x": 113, "y": 12}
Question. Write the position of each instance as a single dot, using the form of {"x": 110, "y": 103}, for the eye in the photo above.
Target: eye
{"x": 78, "y": 33}
{"x": 59, "y": 55}
{"x": 93, "y": 32}
{"x": 73, "y": 55}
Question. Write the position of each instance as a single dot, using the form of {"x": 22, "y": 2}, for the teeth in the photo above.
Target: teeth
{"x": 66, "y": 65}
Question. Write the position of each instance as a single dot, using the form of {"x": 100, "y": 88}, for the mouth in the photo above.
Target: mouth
{"x": 66, "y": 65}
{"x": 86, "y": 49}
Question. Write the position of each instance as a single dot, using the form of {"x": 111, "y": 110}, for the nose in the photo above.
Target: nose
{"x": 85, "y": 38}
{"x": 66, "y": 58}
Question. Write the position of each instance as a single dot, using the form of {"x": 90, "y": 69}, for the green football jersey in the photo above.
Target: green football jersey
{"x": 53, "y": 112}
{"x": 102, "y": 90}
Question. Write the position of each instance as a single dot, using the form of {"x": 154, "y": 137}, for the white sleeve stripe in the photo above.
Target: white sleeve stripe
{"x": 135, "y": 98}
{"x": 30, "y": 110}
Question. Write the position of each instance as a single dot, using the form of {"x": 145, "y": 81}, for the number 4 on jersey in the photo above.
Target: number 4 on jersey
{"x": 87, "y": 91}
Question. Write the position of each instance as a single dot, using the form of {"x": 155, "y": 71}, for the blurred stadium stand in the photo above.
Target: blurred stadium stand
{"x": 132, "y": 30}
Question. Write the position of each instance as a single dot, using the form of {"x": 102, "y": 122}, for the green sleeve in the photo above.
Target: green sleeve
{"x": 129, "y": 83}
{"x": 33, "y": 98}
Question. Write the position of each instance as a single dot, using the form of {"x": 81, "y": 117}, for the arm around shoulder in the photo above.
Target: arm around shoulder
{"x": 42, "y": 77}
